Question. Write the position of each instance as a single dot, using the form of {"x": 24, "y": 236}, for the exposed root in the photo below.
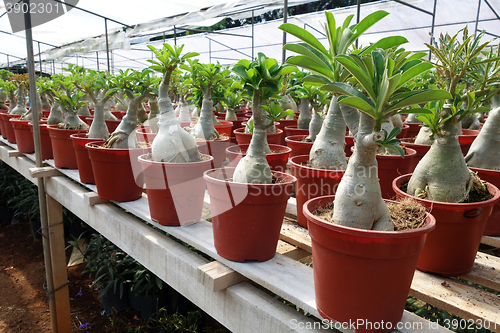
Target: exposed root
{"x": 80, "y": 126}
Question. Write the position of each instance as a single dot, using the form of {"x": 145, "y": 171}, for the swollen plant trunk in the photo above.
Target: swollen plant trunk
{"x": 442, "y": 175}
{"x": 119, "y": 106}
{"x": 287, "y": 103}
{"x": 204, "y": 128}
{"x": 231, "y": 114}
{"x": 184, "y": 115}
{"x": 55, "y": 115}
{"x": 72, "y": 121}
{"x": 154, "y": 113}
{"x": 397, "y": 121}
{"x": 351, "y": 118}
{"x": 484, "y": 152}
{"x": 124, "y": 136}
{"x": 98, "y": 128}
{"x": 172, "y": 144}
{"x": 327, "y": 151}
{"x": 84, "y": 111}
{"x": 29, "y": 115}
{"x": 196, "y": 112}
{"x": 20, "y": 109}
{"x": 358, "y": 202}
{"x": 253, "y": 168}
{"x": 315, "y": 124}
{"x": 3, "y": 98}
{"x": 304, "y": 115}
{"x": 13, "y": 101}
{"x": 424, "y": 136}
{"x": 412, "y": 119}
{"x": 142, "y": 115}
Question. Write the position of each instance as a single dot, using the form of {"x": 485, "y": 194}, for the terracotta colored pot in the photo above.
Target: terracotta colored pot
{"x": 362, "y": 274}
{"x": 82, "y": 156}
{"x": 285, "y": 123}
{"x": 403, "y": 132}
{"x": 390, "y": 167}
{"x": 421, "y": 151}
{"x": 247, "y": 218}
{"x": 46, "y": 112}
{"x": 493, "y": 225}
{"x": 225, "y": 128}
{"x": 293, "y": 130}
{"x": 244, "y": 138}
{"x": 117, "y": 172}
{"x": 216, "y": 149}
{"x": 144, "y": 134}
{"x": 413, "y": 129}
{"x": 24, "y": 137}
{"x": 451, "y": 248}
{"x": 312, "y": 183}
{"x": 298, "y": 146}
{"x": 349, "y": 143}
{"x": 45, "y": 141}
{"x": 466, "y": 139}
{"x": 62, "y": 147}
{"x": 236, "y": 124}
{"x": 112, "y": 125}
{"x": 175, "y": 190}
{"x": 277, "y": 161}
{"x": 119, "y": 114}
{"x": 8, "y": 129}
{"x": 2, "y": 130}
{"x": 89, "y": 120}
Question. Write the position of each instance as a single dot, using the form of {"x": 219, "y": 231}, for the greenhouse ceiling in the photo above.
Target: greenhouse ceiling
{"x": 87, "y": 46}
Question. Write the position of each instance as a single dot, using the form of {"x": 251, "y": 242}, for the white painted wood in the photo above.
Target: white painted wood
{"x": 91, "y": 199}
{"x": 44, "y": 172}
{"x": 216, "y": 276}
{"x": 491, "y": 241}
{"x": 14, "y": 153}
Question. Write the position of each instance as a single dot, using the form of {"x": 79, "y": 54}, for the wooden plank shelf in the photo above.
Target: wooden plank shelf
{"x": 218, "y": 287}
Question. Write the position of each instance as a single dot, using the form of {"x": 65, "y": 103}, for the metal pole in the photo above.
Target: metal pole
{"x": 209, "y": 51}
{"x": 285, "y": 18}
{"x": 40, "y": 58}
{"x": 175, "y": 36}
{"x": 53, "y": 67}
{"x": 358, "y": 17}
{"x": 432, "y": 26}
{"x": 97, "y": 56}
{"x": 38, "y": 158}
{"x": 8, "y": 63}
{"x": 253, "y": 35}
{"x": 107, "y": 42}
{"x": 477, "y": 17}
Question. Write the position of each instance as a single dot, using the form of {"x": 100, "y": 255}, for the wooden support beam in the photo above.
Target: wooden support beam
{"x": 491, "y": 241}
{"x": 14, "y": 153}
{"x": 294, "y": 234}
{"x": 486, "y": 271}
{"x": 296, "y": 253}
{"x": 44, "y": 172}
{"x": 216, "y": 276}
{"x": 59, "y": 270}
{"x": 92, "y": 199}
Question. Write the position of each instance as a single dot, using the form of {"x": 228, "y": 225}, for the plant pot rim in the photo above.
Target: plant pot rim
{"x": 219, "y": 140}
{"x": 89, "y": 146}
{"x": 282, "y": 175}
{"x": 484, "y": 170}
{"x": 431, "y": 203}
{"x": 142, "y": 159}
{"x": 241, "y": 129}
{"x": 292, "y": 162}
{"x": 412, "y": 143}
{"x": 409, "y": 152}
{"x": 297, "y": 138}
{"x": 431, "y": 224}
{"x": 54, "y": 127}
{"x": 239, "y": 148}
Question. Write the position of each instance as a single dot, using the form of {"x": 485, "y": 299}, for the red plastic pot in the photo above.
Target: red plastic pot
{"x": 24, "y": 137}
{"x": 8, "y": 129}
{"x": 421, "y": 151}
{"x": 276, "y": 161}
{"x": 466, "y": 139}
{"x": 312, "y": 183}
{"x": 119, "y": 114}
{"x": 2, "y": 130}
{"x": 298, "y": 146}
{"x": 293, "y": 130}
{"x": 362, "y": 274}
{"x": 349, "y": 143}
{"x": 45, "y": 141}
{"x": 215, "y": 148}
{"x": 112, "y": 125}
{"x": 62, "y": 147}
{"x": 493, "y": 225}
{"x": 82, "y": 156}
{"x": 392, "y": 166}
{"x": 403, "y": 132}
{"x": 247, "y": 218}
{"x": 244, "y": 138}
{"x": 144, "y": 134}
{"x": 451, "y": 248}
{"x": 285, "y": 123}
{"x": 225, "y": 128}
{"x": 117, "y": 172}
{"x": 175, "y": 190}
{"x": 413, "y": 129}
{"x": 236, "y": 124}
{"x": 46, "y": 112}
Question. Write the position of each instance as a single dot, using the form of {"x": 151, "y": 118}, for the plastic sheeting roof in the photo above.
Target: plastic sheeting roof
{"x": 451, "y": 15}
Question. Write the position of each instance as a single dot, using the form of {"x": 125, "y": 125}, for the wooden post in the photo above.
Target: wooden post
{"x": 59, "y": 270}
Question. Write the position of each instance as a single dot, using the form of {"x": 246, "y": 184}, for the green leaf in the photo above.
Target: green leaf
{"x": 357, "y": 103}
{"x": 419, "y": 97}
{"x": 415, "y": 110}
{"x": 384, "y": 44}
{"x": 362, "y": 77}
{"x": 304, "y": 36}
{"x": 306, "y": 50}
{"x": 311, "y": 65}
{"x": 414, "y": 71}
